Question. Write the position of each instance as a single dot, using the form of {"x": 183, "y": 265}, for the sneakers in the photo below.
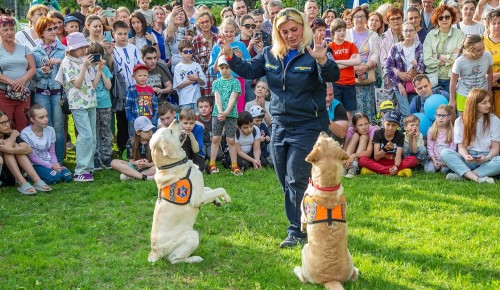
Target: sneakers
{"x": 454, "y": 177}
{"x": 366, "y": 171}
{"x": 405, "y": 172}
{"x": 97, "y": 165}
{"x": 106, "y": 163}
{"x": 84, "y": 177}
{"x": 124, "y": 177}
{"x": 292, "y": 242}
{"x": 486, "y": 179}
{"x": 236, "y": 171}
{"x": 212, "y": 169}
{"x": 351, "y": 172}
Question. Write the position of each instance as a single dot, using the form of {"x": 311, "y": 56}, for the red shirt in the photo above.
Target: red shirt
{"x": 344, "y": 51}
{"x": 145, "y": 101}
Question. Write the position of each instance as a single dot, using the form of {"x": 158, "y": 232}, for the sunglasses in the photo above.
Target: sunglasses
{"x": 444, "y": 17}
{"x": 52, "y": 29}
{"x": 187, "y": 51}
{"x": 248, "y": 26}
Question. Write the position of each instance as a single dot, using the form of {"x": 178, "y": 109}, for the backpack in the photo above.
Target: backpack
{"x": 118, "y": 89}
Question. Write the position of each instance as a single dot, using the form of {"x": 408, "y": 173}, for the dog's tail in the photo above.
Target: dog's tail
{"x": 333, "y": 285}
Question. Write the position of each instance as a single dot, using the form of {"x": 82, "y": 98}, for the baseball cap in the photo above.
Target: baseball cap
{"x": 143, "y": 123}
{"x": 222, "y": 60}
{"x": 139, "y": 66}
{"x": 76, "y": 40}
{"x": 257, "y": 112}
{"x": 70, "y": 18}
{"x": 392, "y": 116}
{"x": 386, "y": 106}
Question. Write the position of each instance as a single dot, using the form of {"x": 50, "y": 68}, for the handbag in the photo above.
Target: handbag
{"x": 21, "y": 95}
{"x": 409, "y": 87}
{"x": 65, "y": 105}
{"x": 370, "y": 74}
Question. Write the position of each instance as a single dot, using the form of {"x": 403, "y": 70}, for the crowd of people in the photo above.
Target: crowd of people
{"x": 251, "y": 91}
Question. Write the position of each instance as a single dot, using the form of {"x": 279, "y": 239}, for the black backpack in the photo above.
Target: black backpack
{"x": 118, "y": 89}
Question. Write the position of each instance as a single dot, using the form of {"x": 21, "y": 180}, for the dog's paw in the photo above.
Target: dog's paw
{"x": 152, "y": 257}
{"x": 194, "y": 259}
{"x": 297, "y": 270}
{"x": 226, "y": 197}
{"x": 355, "y": 274}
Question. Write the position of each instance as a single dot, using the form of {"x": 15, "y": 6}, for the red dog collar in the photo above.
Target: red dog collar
{"x": 327, "y": 188}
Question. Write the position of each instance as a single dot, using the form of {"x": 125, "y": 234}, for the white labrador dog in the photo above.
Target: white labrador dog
{"x": 181, "y": 193}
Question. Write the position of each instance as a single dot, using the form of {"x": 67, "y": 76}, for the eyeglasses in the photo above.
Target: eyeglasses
{"x": 52, "y": 29}
{"x": 442, "y": 115}
{"x": 187, "y": 51}
{"x": 444, "y": 17}
{"x": 205, "y": 22}
{"x": 409, "y": 30}
{"x": 394, "y": 19}
{"x": 6, "y": 122}
{"x": 359, "y": 17}
{"x": 249, "y": 26}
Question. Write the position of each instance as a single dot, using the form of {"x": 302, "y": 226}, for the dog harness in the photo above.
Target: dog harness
{"x": 316, "y": 213}
{"x": 178, "y": 192}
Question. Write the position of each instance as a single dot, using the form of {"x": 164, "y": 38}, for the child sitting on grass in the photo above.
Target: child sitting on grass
{"x": 258, "y": 115}
{"x": 248, "y": 143}
{"x": 192, "y": 137}
{"x": 140, "y": 164}
{"x": 386, "y": 150}
{"x": 167, "y": 115}
{"x": 439, "y": 137}
{"x": 414, "y": 141}
{"x": 357, "y": 139}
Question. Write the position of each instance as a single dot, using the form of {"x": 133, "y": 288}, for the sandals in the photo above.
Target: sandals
{"x": 40, "y": 185}
{"x": 212, "y": 169}
{"x": 27, "y": 189}
{"x": 236, "y": 171}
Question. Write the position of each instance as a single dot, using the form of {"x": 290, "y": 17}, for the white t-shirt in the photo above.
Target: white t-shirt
{"x": 409, "y": 53}
{"x": 126, "y": 58}
{"x": 246, "y": 141}
{"x": 472, "y": 73}
{"x": 477, "y": 28}
{"x": 22, "y": 39}
{"x": 483, "y": 140}
{"x": 191, "y": 93}
{"x": 40, "y": 145}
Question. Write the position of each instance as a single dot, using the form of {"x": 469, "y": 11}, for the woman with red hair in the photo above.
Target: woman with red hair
{"x": 442, "y": 46}
{"x": 477, "y": 134}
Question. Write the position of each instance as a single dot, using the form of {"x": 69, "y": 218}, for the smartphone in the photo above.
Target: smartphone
{"x": 235, "y": 49}
{"x": 476, "y": 156}
{"x": 96, "y": 57}
{"x": 107, "y": 36}
{"x": 178, "y": 3}
{"x": 45, "y": 61}
{"x": 258, "y": 35}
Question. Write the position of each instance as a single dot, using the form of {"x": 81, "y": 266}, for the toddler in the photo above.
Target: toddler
{"x": 414, "y": 141}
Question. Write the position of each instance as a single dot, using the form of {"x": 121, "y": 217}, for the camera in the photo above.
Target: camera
{"x": 96, "y": 57}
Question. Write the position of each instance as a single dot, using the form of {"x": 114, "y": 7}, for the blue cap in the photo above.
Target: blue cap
{"x": 71, "y": 18}
{"x": 392, "y": 116}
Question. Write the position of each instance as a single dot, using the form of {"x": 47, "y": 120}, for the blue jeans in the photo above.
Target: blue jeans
{"x": 445, "y": 84}
{"x": 403, "y": 103}
{"x": 457, "y": 163}
{"x": 85, "y": 142}
{"x": 289, "y": 147}
{"x": 56, "y": 119}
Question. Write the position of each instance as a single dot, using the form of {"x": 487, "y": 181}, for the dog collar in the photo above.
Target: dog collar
{"x": 327, "y": 188}
{"x": 168, "y": 166}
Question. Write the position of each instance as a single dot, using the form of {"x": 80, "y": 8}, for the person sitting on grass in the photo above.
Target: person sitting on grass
{"x": 386, "y": 150}
{"x": 205, "y": 108}
{"x": 167, "y": 115}
{"x": 439, "y": 137}
{"x": 477, "y": 134}
{"x": 259, "y": 115}
{"x": 192, "y": 137}
{"x": 14, "y": 152}
{"x": 357, "y": 139}
{"x": 248, "y": 143}
{"x": 42, "y": 139}
{"x": 140, "y": 164}
{"x": 414, "y": 141}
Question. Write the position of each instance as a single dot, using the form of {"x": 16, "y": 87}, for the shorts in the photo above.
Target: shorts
{"x": 460, "y": 102}
{"x": 229, "y": 125}
{"x": 346, "y": 95}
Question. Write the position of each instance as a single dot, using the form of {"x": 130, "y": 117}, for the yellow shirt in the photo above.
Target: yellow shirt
{"x": 494, "y": 48}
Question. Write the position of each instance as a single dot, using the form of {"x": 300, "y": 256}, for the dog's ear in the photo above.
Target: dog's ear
{"x": 176, "y": 127}
{"x": 313, "y": 156}
{"x": 168, "y": 149}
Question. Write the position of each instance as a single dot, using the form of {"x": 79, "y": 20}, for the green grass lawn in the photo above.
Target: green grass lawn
{"x": 416, "y": 233}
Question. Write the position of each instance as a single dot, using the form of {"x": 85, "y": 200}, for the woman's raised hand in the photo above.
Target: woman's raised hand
{"x": 319, "y": 50}
{"x": 225, "y": 48}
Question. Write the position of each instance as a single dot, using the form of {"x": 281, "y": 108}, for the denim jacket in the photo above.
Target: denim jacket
{"x": 298, "y": 89}
{"x": 43, "y": 80}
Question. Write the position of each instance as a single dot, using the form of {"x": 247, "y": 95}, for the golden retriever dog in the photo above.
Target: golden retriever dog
{"x": 325, "y": 258}
{"x": 181, "y": 193}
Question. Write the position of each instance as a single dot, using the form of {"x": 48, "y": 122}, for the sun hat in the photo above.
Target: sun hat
{"x": 70, "y": 18}
{"x": 143, "y": 123}
{"x": 386, "y": 106}
{"x": 76, "y": 40}
{"x": 392, "y": 116}
{"x": 257, "y": 111}
{"x": 139, "y": 66}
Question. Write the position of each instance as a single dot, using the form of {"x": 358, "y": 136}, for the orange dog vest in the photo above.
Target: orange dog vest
{"x": 178, "y": 192}
{"x": 316, "y": 213}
